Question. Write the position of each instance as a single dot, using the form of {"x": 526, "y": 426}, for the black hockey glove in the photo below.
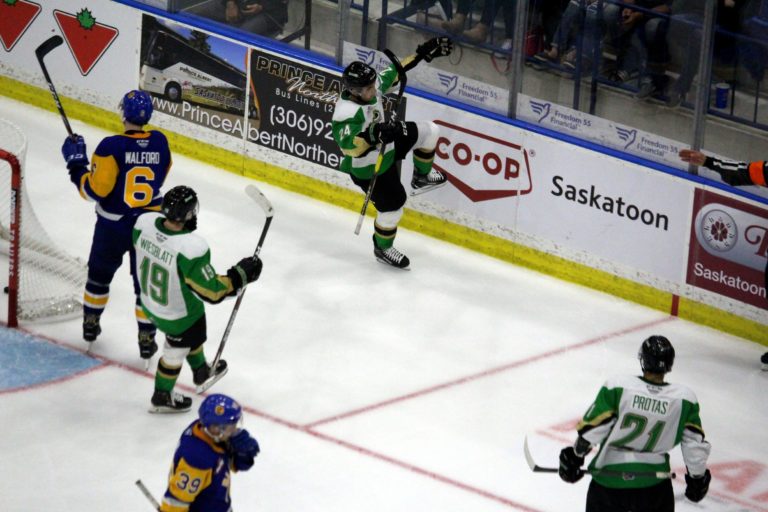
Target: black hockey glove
{"x": 435, "y": 47}
{"x": 244, "y": 449}
{"x": 246, "y": 271}
{"x": 74, "y": 152}
{"x": 386, "y": 132}
{"x": 570, "y": 465}
{"x": 696, "y": 487}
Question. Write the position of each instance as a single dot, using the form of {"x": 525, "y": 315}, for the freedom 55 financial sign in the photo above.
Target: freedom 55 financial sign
{"x": 729, "y": 248}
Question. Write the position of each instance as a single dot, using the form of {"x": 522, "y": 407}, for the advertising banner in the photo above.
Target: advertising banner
{"x": 98, "y": 41}
{"x": 194, "y": 76}
{"x": 729, "y": 248}
{"x": 294, "y": 102}
{"x": 585, "y": 204}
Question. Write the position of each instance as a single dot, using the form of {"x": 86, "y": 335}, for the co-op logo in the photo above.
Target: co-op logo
{"x": 733, "y": 234}
{"x": 482, "y": 167}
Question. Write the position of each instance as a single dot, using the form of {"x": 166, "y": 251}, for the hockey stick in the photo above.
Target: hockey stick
{"x": 626, "y": 475}
{"x": 261, "y": 200}
{"x": 147, "y": 494}
{"x": 41, "y": 51}
{"x": 403, "y": 78}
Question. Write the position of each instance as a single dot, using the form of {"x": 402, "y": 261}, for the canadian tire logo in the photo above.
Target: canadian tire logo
{"x": 87, "y": 39}
{"x": 482, "y": 167}
{"x": 16, "y": 16}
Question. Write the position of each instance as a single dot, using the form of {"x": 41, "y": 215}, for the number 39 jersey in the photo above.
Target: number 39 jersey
{"x": 200, "y": 477}
{"x": 127, "y": 172}
{"x": 175, "y": 273}
{"x": 637, "y": 423}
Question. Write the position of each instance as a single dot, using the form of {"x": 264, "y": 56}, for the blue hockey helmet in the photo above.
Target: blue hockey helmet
{"x": 656, "y": 355}
{"x": 220, "y": 409}
{"x": 220, "y": 416}
{"x": 136, "y": 107}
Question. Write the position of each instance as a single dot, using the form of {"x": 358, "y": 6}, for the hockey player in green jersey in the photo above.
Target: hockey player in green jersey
{"x": 360, "y": 128}
{"x": 637, "y": 421}
{"x": 173, "y": 265}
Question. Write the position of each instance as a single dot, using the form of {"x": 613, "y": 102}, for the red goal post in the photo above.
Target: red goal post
{"x": 44, "y": 282}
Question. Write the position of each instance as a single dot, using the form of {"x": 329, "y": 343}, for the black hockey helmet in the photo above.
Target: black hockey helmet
{"x": 656, "y": 355}
{"x": 180, "y": 204}
{"x": 358, "y": 75}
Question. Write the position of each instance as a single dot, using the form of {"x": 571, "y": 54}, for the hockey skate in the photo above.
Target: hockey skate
{"x": 764, "y": 360}
{"x": 164, "y": 402}
{"x": 147, "y": 344}
{"x": 204, "y": 378}
{"x": 421, "y": 183}
{"x": 391, "y": 256}
{"x": 91, "y": 328}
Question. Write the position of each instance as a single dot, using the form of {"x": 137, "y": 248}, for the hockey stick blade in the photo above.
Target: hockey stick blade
{"x": 532, "y": 464}
{"x": 260, "y": 199}
{"x": 202, "y": 388}
{"x": 48, "y": 45}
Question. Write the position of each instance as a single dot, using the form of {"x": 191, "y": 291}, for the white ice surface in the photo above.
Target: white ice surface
{"x": 368, "y": 388}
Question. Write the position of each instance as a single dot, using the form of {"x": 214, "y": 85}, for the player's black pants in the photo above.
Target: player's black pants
{"x": 389, "y": 194}
{"x": 659, "y": 498}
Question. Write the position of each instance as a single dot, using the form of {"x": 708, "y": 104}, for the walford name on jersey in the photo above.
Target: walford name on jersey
{"x": 156, "y": 251}
{"x": 142, "y": 157}
{"x": 644, "y": 403}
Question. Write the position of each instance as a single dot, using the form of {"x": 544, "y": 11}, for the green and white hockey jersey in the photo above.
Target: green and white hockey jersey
{"x": 636, "y": 423}
{"x": 351, "y": 119}
{"x": 175, "y": 272}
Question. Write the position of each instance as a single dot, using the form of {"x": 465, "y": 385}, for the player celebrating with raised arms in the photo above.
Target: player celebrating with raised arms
{"x": 124, "y": 180}
{"x": 637, "y": 421}
{"x": 209, "y": 450}
{"x": 173, "y": 265}
{"x": 360, "y": 128}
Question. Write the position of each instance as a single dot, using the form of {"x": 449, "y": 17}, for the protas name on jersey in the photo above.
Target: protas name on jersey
{"x": 636, "y": 423}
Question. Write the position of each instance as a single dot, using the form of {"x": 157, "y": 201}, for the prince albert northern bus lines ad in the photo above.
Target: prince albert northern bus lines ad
{"x": 180, "y": 65}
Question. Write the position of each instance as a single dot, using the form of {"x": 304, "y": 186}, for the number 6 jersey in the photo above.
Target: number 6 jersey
{"x": 174, "y": 271}
{"x": 637, "y": 423}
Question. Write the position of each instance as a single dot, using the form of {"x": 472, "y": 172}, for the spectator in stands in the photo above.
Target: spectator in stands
{"x": 479, "y": 33}
{"x": 640, "y": 39}
{"x": 580, "y": 17}
{"x": 753, "y": 53}
{"x": 549, "y": 14}
{"x": 262, "y": 17}
{"x": 455, "y": 25}
{"x": 686, "y": 34}
{"x": 736, "y": 174}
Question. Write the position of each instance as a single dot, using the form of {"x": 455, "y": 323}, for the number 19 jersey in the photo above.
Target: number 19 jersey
{"x": 175, "y": 273}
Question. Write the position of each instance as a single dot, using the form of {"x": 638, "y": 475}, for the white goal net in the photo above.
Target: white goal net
{"x": 44, "y": 282}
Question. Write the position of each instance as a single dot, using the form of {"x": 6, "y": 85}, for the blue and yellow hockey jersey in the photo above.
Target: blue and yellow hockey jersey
{"x": 200, "y": 476}
{"x": 126, "y": 173}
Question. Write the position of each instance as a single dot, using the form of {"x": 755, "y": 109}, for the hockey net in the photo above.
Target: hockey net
{"x": 44, "y": 282}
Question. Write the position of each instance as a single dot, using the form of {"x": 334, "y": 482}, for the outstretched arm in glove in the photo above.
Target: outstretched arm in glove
{"x": 733, "y": 173}
{"x": 431, "y": 49}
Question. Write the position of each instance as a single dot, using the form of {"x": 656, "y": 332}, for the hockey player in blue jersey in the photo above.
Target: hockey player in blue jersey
{"x": 124, "y": 179}
{"x": 210, "y": 449}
